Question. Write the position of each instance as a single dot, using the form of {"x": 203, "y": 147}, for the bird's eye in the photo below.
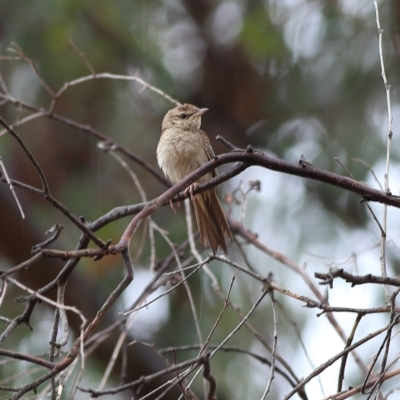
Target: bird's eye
{"x": 183, "y": 116}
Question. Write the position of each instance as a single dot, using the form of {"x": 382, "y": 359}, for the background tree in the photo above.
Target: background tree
{"x": 291, "y": 79}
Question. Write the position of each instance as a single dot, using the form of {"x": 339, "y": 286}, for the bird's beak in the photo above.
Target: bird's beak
{"x": 200, "y": 112}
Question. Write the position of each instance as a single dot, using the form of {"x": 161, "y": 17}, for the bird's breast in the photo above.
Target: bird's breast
{"x": 179, "y": 153}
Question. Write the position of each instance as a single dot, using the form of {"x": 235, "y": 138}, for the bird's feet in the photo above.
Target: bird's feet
{"x": 189, "y": 191}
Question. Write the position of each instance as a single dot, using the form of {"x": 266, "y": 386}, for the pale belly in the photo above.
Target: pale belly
{"x": 180, "y": 155}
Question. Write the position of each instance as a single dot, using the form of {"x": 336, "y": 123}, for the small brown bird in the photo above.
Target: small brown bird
{"x": 184, "y": 147}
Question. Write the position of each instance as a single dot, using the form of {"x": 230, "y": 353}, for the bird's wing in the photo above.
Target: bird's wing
{"x": 208, "y": 150}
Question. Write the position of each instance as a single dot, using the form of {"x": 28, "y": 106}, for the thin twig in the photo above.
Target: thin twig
{"x": 389, "y": 140}
{"x": 344, "y": 359}
{"x": 274, "y": 344}
{"x": 29, "y": 155}
{"x": 106, "y": 75}
{"x": 81, "y": 54}
{"x": 362, "y": 162}
{"x": 3, "y": 168}
{"x": 22, "y": 56}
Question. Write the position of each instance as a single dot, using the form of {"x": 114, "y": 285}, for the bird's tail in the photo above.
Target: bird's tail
{"x": 211, "y": 220}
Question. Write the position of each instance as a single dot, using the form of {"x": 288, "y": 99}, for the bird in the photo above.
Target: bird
{"x": 183, "y": 147}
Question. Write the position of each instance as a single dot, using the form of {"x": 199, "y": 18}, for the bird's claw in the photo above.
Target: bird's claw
{"x": 189, "y": 191}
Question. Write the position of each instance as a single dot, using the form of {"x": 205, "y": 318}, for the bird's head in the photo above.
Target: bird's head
{"x": 186, "y": 117}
